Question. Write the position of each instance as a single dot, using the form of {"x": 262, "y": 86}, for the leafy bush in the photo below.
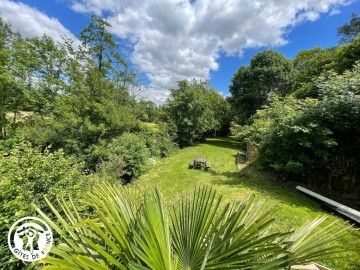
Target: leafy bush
{"x": 159, "y": 144}
{"x": 26, "y": 176}
{"x": 197, "y": 234}
{"x": 127, "y": 157}
{"x": 134, "y": 155}
{"x": 315, "y": 134}
{"x": 314, "y": 140}
{"x": 279, "y": 111}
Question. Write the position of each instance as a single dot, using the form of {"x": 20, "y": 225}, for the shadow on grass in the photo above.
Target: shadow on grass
{"x": 223, "y": 143}
{"x": 263, "y": 183}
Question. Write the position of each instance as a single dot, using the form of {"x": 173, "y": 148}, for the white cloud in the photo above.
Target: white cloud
{"x": 181, "y": 39}
{"x": 158, "y": 96}
{"x": 31, "y": 22}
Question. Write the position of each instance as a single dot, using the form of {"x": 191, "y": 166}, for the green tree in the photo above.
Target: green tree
{"x": 89, "y": 105}
{"x": 346, "y": 56}
{"x": 350, "y": 30}
{"x": 49, "y": 74}
{"x": 313, "y": 140}
{"x": 195, "y": 111}
{"x": 268, "y": 72}
{"x": 308, "y": 66}
{"x": 147, "y": 111}
{"x": 12, "y": 86}
{"x": 101, "y": 52}
{"x": 99, "y": 44}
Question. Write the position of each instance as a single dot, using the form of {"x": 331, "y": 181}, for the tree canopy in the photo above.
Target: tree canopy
{"x": 194, "y": 110}
{"x": 350, "y": 30}
{"x": 268, "y": 72}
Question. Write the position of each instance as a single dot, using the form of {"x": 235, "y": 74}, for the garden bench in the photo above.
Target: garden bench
{"x": 207, "y": 165}
{"x": 199, "y": 162}
{"x": 192, "y": 164}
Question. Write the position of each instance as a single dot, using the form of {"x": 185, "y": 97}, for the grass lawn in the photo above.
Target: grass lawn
{"x": 174, "y": 179}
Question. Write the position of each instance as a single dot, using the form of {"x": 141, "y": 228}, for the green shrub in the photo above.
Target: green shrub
{"x": 159, "y": 144}
{"x": 27, "y": 174}
{"x": 315, "y": 141}
{"x": 127, "y": 157}
{"x": 111, "y": 169}
{"x": 134, "y": 153}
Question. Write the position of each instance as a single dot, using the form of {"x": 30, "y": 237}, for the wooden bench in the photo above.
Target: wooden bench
{"x": 207, "y": 165}
{"x": 192, "y": 164}
{"x": 199, "y": 162}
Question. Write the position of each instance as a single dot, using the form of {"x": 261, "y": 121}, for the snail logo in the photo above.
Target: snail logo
{"x": 30, "y": 239}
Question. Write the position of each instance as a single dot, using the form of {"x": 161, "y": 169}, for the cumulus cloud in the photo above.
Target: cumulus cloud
{"x": 181, "y": 39}
{"x": 31, "y": 22}
{"x": 156, "y": 95}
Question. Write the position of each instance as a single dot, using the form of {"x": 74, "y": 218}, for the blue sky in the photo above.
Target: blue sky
{"x": 170, "y": 40}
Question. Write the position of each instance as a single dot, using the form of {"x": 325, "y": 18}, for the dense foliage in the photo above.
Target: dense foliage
{"x": 268, "y": 72}
{"x": 67, "y": 111}
{"x": 27, "y": 174}
{"x": 312, "y": 134}
{"x": 196, "y": 111}
{"x": 70, "y": 109}
{"x": 133, "y": 153}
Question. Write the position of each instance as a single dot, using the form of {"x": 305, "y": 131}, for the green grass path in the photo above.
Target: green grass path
{"x": 174, "y": 179}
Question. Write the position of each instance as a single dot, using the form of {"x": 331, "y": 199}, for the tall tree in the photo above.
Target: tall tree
{"x": 89, "y": 103}
{"x": 308, "y": 65}
{"x": 99, "y": 44}
{"x": 193, "y": 111}
{"x": 269, "y": 72}
{"x": 101, "y": 53}
{"x": 12, "y": 95}
{"x": 49, "y": 76}
{"x": 350, "y": 30}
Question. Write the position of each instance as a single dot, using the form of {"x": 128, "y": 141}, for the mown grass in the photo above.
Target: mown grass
{"x": 174, "y": 179}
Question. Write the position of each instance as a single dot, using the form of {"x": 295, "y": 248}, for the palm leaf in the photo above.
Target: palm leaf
{"x": 199, "y": 234}
{"x": 233, "y": 239}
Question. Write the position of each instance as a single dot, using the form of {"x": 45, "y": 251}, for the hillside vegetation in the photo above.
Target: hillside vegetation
{"x": 175, "y": 180}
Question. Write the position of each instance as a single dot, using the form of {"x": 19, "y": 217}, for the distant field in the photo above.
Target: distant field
{"x": 174, "y": 179}
{"x": 19, "y": 116}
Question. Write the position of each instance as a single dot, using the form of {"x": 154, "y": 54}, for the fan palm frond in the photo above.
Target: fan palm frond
{"x": 200, "y": 233}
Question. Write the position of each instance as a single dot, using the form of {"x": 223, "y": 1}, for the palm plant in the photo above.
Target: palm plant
{"x": 198, "y": 234}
